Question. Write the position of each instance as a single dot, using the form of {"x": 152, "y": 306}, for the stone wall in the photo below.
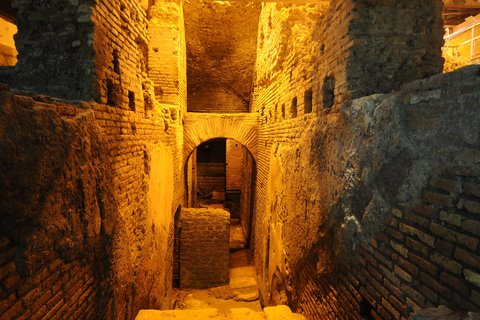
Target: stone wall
{"x": 307, "y": 68}
{"x": 395, "y": 42}
{"x": 221, "y": 50}
{"x": 89, "y": 195}
{"x": 385, "y": 220}
{"x": 52, "y": 38}
{"x": 204, "y": 248}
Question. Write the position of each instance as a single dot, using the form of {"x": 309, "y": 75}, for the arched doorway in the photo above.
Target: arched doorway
{"x": 219, "y": 175}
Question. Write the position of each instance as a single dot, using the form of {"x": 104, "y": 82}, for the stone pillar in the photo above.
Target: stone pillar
{"x": 204, "y": 248}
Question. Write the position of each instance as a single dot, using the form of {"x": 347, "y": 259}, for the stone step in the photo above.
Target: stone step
{"x": 269, "y": 313}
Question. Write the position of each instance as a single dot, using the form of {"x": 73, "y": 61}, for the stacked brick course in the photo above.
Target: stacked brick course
{"x": 204, "y": 248}
{"x": 167, "y": 66}
{"x": 59, "y": 291}
{"x": 363, "y": 208}
{"x": 131, "y": 138}
{"x": 426, "y": 253}
{"x": 120, "y": 44}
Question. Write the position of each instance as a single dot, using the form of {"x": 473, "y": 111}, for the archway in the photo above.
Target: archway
{"x": 219, "y": 175}
{"x": 201, "y": 127}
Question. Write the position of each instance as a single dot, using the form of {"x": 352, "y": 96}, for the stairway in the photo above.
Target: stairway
{"x": 236, "y": 301}
{"x": 269, "y": 313}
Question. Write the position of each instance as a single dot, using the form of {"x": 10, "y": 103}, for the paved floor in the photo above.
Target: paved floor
{"x": 237, "y": 301}
{"x": 242, "y": 292}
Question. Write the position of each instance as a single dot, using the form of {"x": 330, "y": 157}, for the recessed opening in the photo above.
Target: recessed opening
{"x": 328, "y": 91}
{"x": 366, "y": 310}
{"x": 308, "y": 101}
{"x": 110, "y": 93}
{"x": 283, "y": 111}
{"x": 131, "y": 100}
{"x": 116, "y": 62}
{"x": 293, "y": 108}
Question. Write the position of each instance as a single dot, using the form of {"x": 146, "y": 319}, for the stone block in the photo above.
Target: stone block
{"x": 204, "y": 250}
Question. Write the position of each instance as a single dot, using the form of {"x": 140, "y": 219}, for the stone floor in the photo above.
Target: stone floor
{"x": 242, "y": 292}
{"x": 237, "y": 239}
{"x": 238, "y": 300}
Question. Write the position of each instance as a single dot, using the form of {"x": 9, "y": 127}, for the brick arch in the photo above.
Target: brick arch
{"x": 201, "y": 127}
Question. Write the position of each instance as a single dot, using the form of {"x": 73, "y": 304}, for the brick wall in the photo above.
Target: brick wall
{"x": 399, "y": 51}
{"x": 58, "y": 291}
{"x": 204, "y": 248}
{"x": 125, "y": 271}
{"x": 307, "y": 66}
{"x": 167, "y": 52}
{"x": 420, "y": 242}
{"x": 210, "y": 177}
{"x": 120, "y": 44}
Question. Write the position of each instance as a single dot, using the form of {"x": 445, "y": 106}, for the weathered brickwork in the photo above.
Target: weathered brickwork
{"x": 393, "y": 50}
{"x": 120, "y": 61}
{"x": 365, "y": 202}
{"x": 199, "y": 128}
{"x": 426, "y": 252}
{"x": 204, "y": 248}
{"x": 167, "y": 53}
{"x": 142, "y": 153}
{"x": 310, "y": 60}
{"x": 58, "y": 291}
{"x": 210, "y": 177}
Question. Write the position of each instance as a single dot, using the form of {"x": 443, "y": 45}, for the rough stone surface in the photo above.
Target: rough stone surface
{"x": 221, "y": 51}
{"x": 362, "y": 208}
{"x": 365, "y": 192}
{"x": 440, "y": 313}
{"x": 87, "y": 209}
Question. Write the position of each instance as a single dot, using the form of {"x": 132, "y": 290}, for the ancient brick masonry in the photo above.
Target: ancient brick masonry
{"x": 426, "y": 252}
{"x": 204, "y": 248}
{"x": 121, "y": 197}
{"x": 362, "y": 207}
